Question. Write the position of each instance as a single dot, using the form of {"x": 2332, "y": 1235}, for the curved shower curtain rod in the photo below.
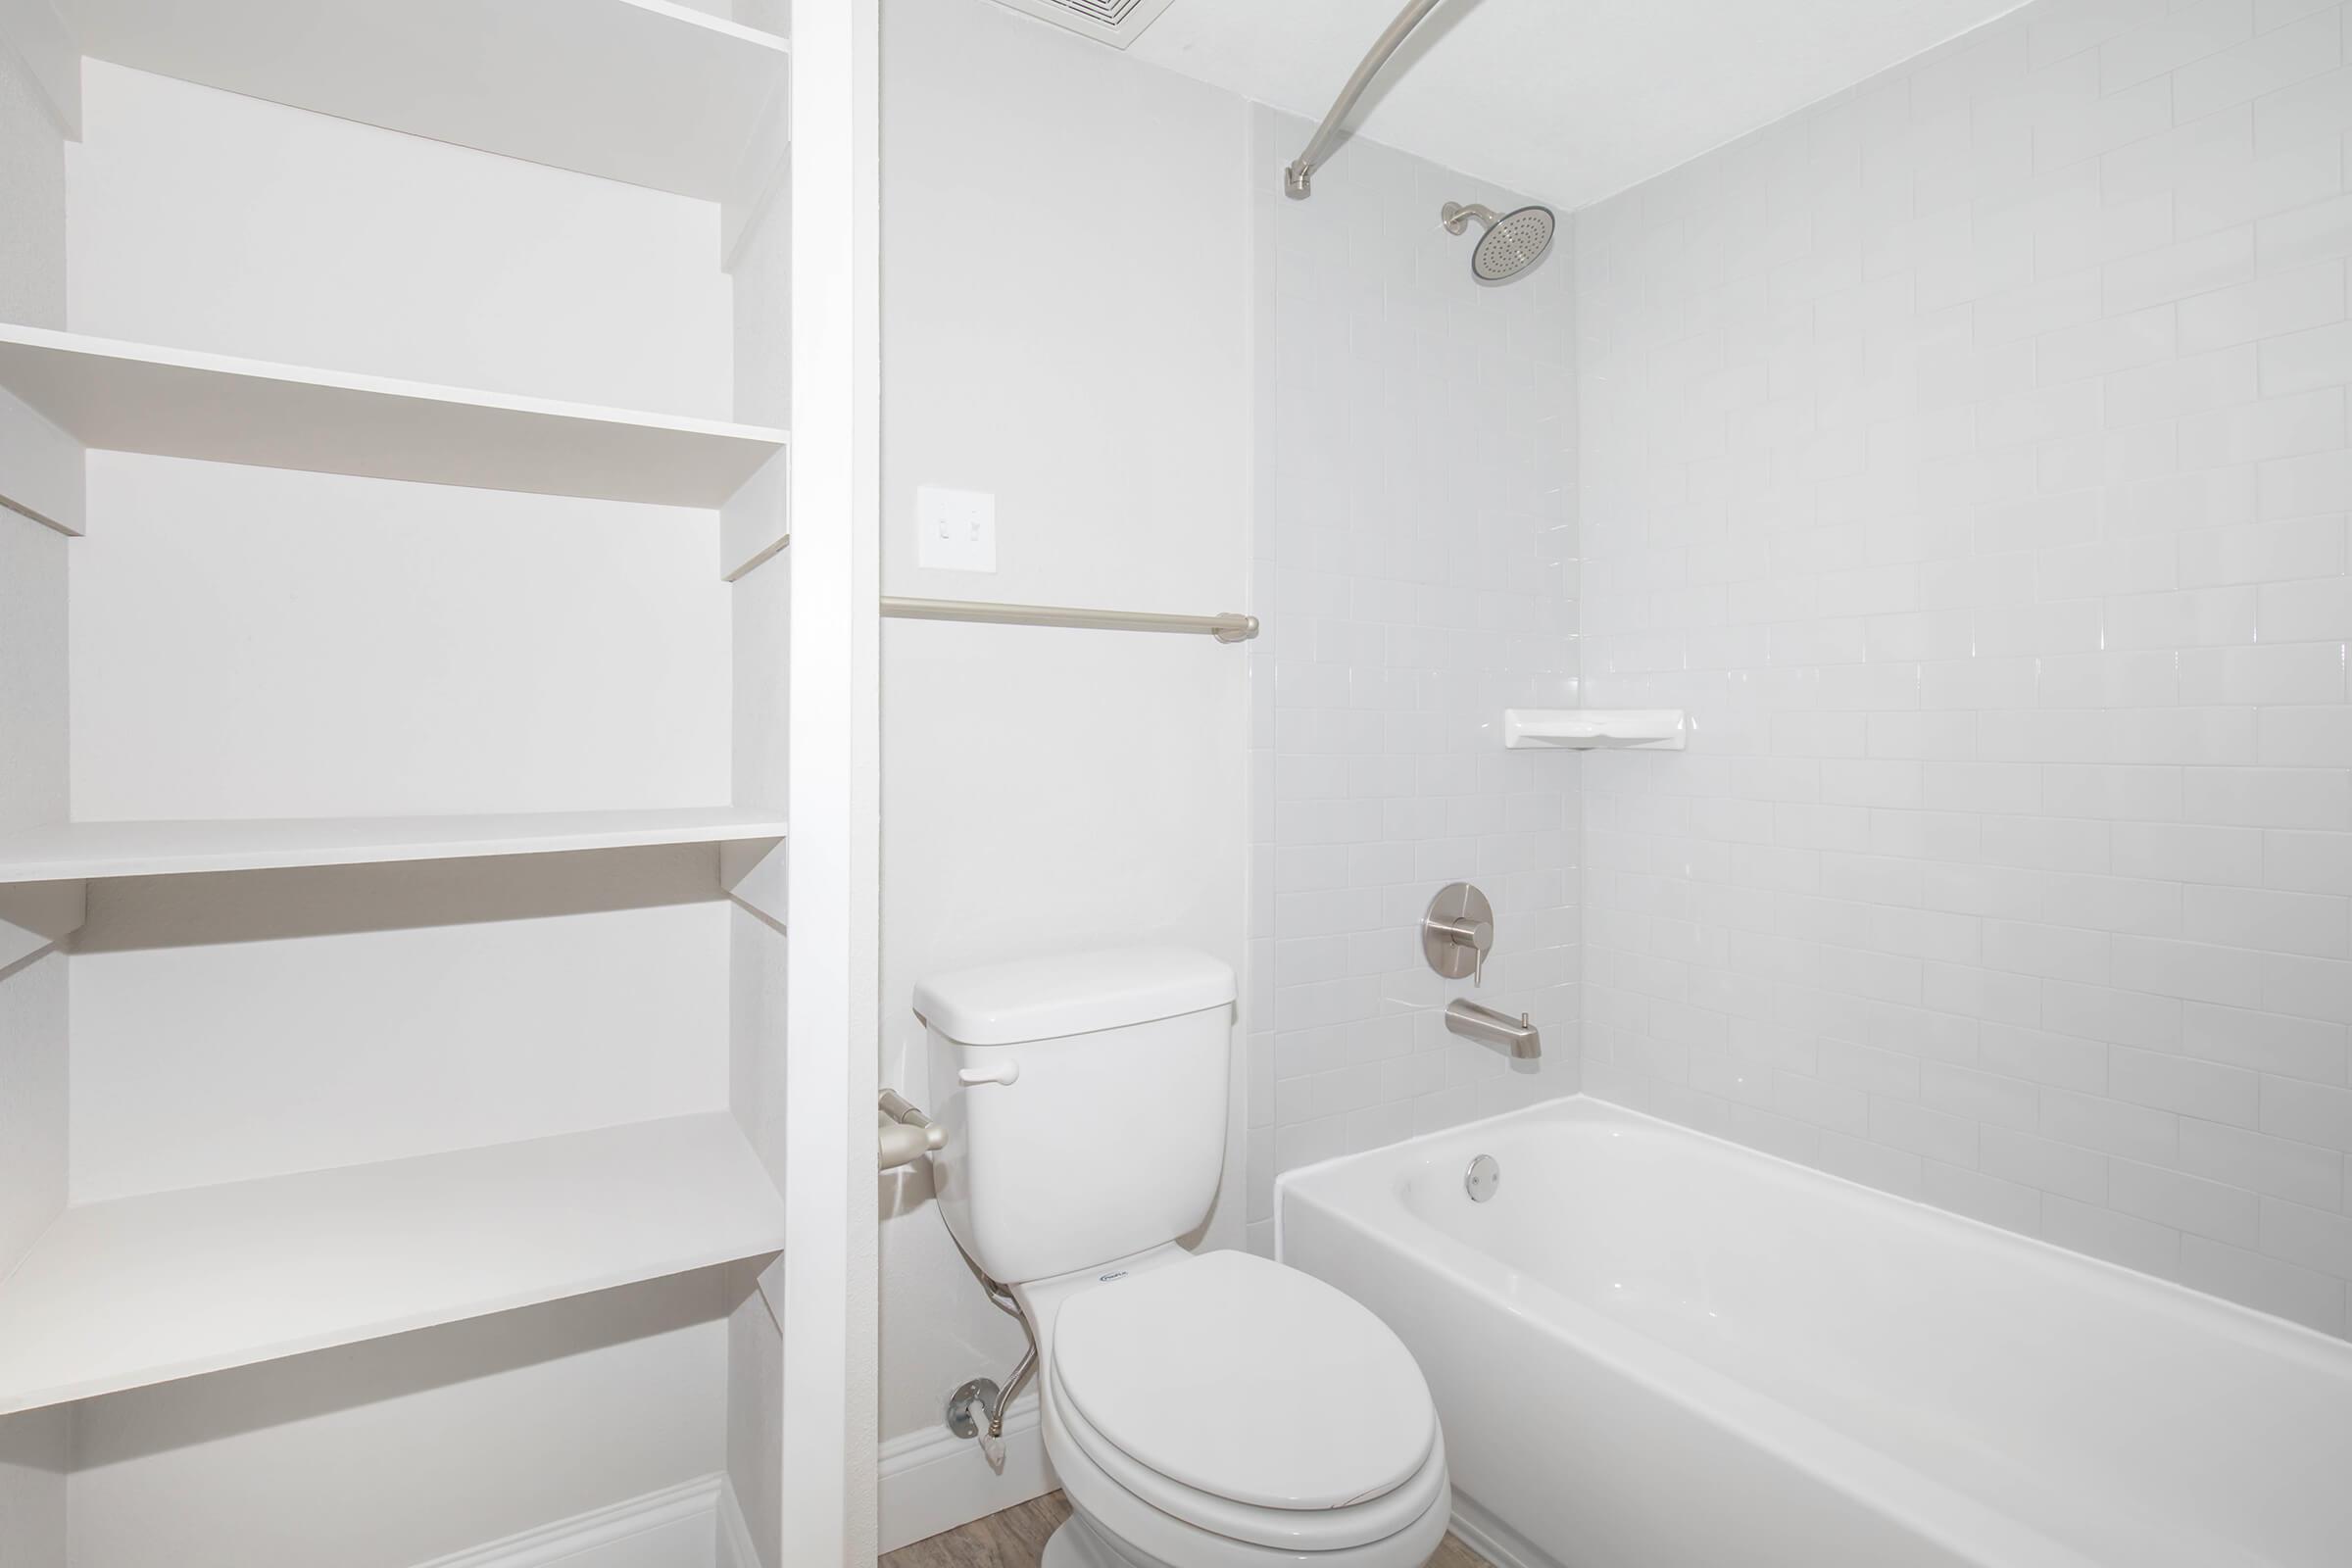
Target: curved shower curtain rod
{"x": 1299, "y": 180}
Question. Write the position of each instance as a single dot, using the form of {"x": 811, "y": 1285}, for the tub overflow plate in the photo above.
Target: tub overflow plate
{"x": 1482, "y": 1178}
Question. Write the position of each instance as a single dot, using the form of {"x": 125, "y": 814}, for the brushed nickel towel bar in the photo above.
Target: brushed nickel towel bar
{"x": 1224, "y": 628}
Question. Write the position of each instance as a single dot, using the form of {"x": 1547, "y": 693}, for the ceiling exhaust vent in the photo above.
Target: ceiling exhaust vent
{"x": 1116, "y": 22}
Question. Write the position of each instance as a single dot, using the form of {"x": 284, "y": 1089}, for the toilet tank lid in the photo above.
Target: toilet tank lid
{"x": 1071, "y": 994}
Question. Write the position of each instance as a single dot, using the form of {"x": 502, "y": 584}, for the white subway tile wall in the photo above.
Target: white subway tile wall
{"x": 1415, "y": 573}
{"x": 1969, "y": 455}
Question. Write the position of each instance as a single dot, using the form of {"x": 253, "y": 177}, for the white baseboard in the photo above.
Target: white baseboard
{"x": 934, "y": 1481}
{"x": 735, "y": 1546}
{"x": 685, "y": 1526}
{"x": 1493, "y": 1539}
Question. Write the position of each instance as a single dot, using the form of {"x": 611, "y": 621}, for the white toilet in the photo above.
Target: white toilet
{"x": 1201, "y": 1409}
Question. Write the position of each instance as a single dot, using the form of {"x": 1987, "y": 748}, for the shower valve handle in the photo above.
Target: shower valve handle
{"x": 1458, "y": 932}
{"x": 1476, "y": 935}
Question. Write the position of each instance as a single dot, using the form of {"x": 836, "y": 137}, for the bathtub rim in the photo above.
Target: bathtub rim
{"x": 1940, "y": 1513}
{"x": 2329, "y": 1346}
{"x": 1947, "y": 1518}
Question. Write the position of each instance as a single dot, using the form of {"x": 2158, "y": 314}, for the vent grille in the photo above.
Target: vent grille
{"x": 1116, "y": 22}
{"x": 1109, "y": 13}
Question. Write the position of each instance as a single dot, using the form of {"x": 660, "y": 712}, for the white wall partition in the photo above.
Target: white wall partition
{"x": 1086, "y": 359}
{"x": 36, "y": 1448}
{"x": 1968, "y": 454}
{"x": 33, "y": 126}
{"x": 1416, "y": 566}
{"x": 825, "y": 1284}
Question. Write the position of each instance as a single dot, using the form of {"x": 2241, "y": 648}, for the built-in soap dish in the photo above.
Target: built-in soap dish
{"x": 1646, "y": 729}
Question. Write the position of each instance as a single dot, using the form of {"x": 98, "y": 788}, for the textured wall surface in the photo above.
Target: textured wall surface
{"x": 1415, "y": 571}
{"x": 1968, "y": 454}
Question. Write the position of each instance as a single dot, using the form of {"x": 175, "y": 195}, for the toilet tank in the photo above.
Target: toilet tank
{"x": 1084, "y": 1097}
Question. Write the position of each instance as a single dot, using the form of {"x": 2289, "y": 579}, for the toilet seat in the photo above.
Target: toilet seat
{"x": 1289, "y": 1529}
{"x": 1250, "y": 1400}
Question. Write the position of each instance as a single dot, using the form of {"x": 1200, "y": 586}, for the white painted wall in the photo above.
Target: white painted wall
{"x": 760, "y": 274}
{"x": 1067, "y": 282}
{"x": 36, "y": 1448}
{"x": 398, "y": 648}
{"x": 760, "y": 604}
{"x": 758, "y": 1077}
{"x": 396, "y": 1452}
{"x": 32, "y": 1101}
{"x": 35, "y": 1451}
{"x": 207, "y": 221}
{"x": 39, "y": 467}
{"x": 32, "y": 192}
{"x": 1969, "y": 455}
{"x": 32, "y": 671}
{"x": 32, "y": 558}
{"x": 258, "y": 1023}
{"x": 1415, "y": 561}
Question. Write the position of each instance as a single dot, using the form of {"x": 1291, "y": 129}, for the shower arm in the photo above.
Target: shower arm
{"x": 1456, "y": 216}
{"x": 1299, "y": 180}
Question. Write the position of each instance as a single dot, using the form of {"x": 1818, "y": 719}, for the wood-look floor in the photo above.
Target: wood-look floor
{"x": 1017, "y": 1537}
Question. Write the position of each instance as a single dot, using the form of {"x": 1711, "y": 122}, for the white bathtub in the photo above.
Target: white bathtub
{"x": 1654, "y": 1348}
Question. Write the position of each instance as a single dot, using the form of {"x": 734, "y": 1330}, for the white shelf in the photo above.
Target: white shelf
{"x": 75, "y": 850}
{"x": 144, "y": 1290}
{"x": 636, "y": 90}
{"x": 1643, "y": 729}
{"x": 176, "y": 403}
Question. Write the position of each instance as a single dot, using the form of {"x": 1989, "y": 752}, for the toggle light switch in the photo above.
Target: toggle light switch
{"x": 955, "y": 530}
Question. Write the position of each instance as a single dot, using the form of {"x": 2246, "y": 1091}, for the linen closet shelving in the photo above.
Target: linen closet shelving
{"x": 393, "y": 438}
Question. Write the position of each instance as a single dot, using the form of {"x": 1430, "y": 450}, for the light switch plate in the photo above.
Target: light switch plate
{"x": 955, "y": 530}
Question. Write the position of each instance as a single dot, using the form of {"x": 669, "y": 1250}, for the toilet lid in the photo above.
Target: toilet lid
{"x": 1247, "y": 1380}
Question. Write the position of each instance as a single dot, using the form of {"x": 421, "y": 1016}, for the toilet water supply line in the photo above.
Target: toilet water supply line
{"x": 906, "y": 1135}
{"x": 1020, "y": 1373}
{"x": 982, "y": 1395}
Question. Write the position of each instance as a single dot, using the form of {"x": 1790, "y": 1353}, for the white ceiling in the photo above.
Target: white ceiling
{"x": 1566, "y": 100}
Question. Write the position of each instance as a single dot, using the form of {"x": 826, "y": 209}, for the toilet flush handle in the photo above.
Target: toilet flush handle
{"x": 1003, "y": 1072}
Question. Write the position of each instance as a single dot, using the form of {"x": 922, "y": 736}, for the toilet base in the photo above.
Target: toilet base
{"x": 1077, "y": 1544}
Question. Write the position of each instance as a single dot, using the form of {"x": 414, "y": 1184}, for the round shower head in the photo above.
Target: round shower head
{"x": 1513, "y": 245}
{"x": 1513, "y": 242}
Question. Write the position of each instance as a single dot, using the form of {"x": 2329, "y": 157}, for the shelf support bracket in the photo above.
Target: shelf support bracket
{"x": 751, "y": 872}
{"x": 35, "y": 917}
